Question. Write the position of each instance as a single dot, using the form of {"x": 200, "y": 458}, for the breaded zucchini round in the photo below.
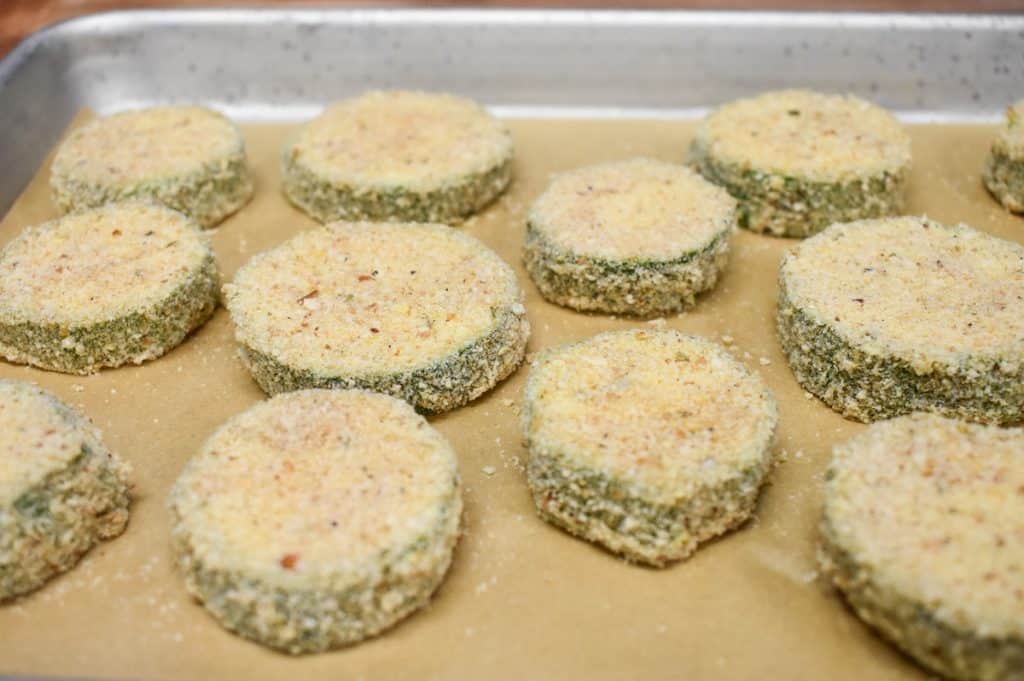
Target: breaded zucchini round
{"x": 798, "y": 161}
{"x": 317, "y": 518}
{"x": 885, "y": 317}
{"x": 418, "y": 311}
{"x": 187, "y": 158}
{"x": 639, "y": 237}
{"x": 1004, "y": 169}
{"x": 646, "y": 442}
{"x": 398, "y": 156}
{"x": 61, "y": 491}
{"x": 922, "y": 532}
{"x": 119, "y": 284}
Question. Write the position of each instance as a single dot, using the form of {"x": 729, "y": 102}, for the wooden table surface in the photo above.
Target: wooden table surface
{"x": 19, "y": 18}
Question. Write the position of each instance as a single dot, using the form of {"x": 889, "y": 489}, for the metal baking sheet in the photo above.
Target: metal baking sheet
{"x": 523, "y": 599}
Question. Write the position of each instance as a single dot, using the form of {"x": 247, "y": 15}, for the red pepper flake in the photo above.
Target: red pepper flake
{"x": 365, "y": 277}
{"x": 289, "y": 560}
{"x": 116, "y": 232}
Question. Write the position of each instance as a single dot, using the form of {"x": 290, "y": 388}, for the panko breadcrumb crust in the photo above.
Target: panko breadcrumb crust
{"x": 418, "y": 311}
{"x": 920, "y": 532}
{"x": 400, "y": 156}
{"x": 646, "y": 442}
{"x": 61, "y": 491}
{"x": 880, "y": 318}
{"x": 362, "y": 512}
{"x": 1004, "y": 168}
{"x": 119, "y": 284}
{"x": 798, "y": 161}
{"x": 638, "y": 237}
{"x": 188, "y": 158}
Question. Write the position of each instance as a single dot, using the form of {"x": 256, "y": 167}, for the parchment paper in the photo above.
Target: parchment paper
{"x": 523, "y": 599}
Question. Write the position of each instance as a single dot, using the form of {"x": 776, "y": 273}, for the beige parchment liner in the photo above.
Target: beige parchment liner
{"x": 523, "y": 600}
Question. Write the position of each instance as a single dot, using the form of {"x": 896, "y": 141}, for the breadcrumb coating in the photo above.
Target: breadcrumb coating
{"x": 61, "y": 491}
{"x": 922, "y": 532}
{"x": 648, "y": 442}
{"x": 189, "y": 158}
{"x": 317, "y": 518}
{"x": 122, "y": 283}
{"x": 639, "y": 237}
{"x": 885, "y": 317}
{"x": 398, "y": 155}
{"x": 382, "y": 306}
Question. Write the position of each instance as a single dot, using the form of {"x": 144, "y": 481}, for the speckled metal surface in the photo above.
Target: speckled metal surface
{"x": 281, "y": 64}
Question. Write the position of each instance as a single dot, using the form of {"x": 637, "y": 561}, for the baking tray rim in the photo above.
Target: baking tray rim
{"x": 122, "y": 18}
